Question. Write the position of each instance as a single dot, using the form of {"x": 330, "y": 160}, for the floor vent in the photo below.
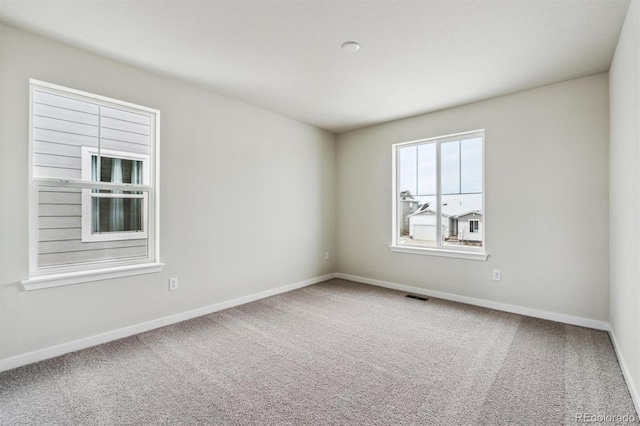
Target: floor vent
{"x": 415, "y": 296}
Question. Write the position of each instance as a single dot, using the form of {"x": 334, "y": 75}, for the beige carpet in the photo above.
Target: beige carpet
{"x": 333, "y": 353}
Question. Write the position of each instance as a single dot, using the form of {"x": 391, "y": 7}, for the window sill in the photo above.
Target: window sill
{"x": 470, "y": 255}
{"x": 56, "y": 280}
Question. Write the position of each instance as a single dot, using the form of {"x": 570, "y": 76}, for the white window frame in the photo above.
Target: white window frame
{"x": 87, "y": 196}
{"x": 462, "y": 252}
{"x": 471, "y": 231}
{"x": 45, "y": 277}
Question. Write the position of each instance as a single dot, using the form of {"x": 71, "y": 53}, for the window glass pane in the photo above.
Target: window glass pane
{"x": 61, "y": 127}
{"x": 408, "y": 168}
{"x": 418, "y": 175}
{"x": 450, "y": 167}
{"x": 471, "y": 162}
{"x": 117, "y": 170}
{"x": 117, "y": 214}
{"x": 59, "y": 231}
{"x": 427, "y": 169}
{"x": 462, "y": 211}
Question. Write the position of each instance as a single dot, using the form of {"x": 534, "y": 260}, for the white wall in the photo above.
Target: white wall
{"x": 247, "y": 199}
{"x": 624, "y": 194}
{"x": 546, "y": 180}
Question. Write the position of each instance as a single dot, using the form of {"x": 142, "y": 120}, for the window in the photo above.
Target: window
{"x": 109, "y": 215}
{"x": 444, "y": 176}
{"x": 93, "y": 182}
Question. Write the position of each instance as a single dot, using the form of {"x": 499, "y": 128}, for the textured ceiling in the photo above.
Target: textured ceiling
{"x": 415, "y": 56}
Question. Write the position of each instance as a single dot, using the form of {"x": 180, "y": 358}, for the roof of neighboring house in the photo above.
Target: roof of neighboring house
{"x": 474, "y": 212}
{"x": 406, "y": 196}
{"x": 424, "y": 208}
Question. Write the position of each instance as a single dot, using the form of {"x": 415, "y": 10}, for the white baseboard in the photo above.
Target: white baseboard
{"x": 54, "y": 351}
{"x": 633, "y": 390}
{"x": 552, "y": 316}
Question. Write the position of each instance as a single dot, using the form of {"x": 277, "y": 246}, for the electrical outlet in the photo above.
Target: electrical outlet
{"x": 496, "y": 274}
{"x": 173, "y": 284}
{"x": 326, "y": 255}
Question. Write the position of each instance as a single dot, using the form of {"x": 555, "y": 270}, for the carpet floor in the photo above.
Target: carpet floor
{"x": 337, "y": 353}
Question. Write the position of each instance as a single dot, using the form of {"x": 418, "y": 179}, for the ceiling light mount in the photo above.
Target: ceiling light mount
{"x": 350, "y": 47}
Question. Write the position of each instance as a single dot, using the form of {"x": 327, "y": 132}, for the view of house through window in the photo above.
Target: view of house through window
{"x": 440, "y": 192}
{"x": 93, "y": 181}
